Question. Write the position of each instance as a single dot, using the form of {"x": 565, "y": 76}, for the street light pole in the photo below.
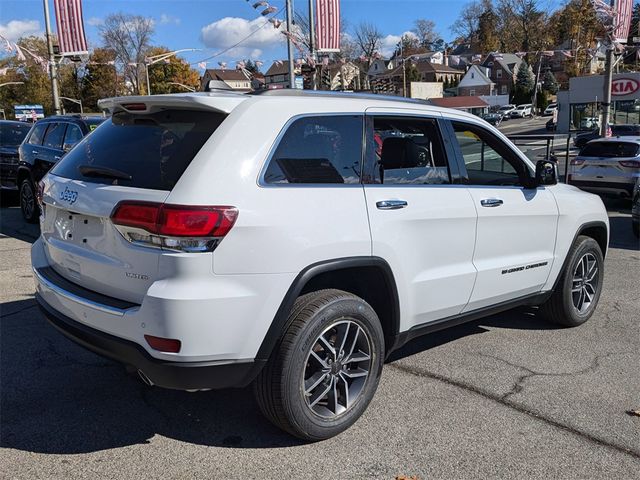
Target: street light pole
{"x": 312, "y": 45}
{"x": 290, "y": 43}
{"x": 606, "y": 101}
{"x": 74, "y": 100}
{"x": 52, "y": 60}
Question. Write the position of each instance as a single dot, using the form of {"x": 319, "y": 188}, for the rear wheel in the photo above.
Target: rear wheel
{"x": 324, "y": 373}
{"x": 28, "y": 203}
{"x": 578, "y": 290}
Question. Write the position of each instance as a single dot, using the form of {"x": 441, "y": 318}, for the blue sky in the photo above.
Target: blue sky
{"x": 213, "y": 25}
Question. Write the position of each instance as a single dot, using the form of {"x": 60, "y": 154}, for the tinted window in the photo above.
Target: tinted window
{"x": 325, "y": 149}
{"x": 610, "y": 149}
{"x": 406, "y": 150}
{"x": 12, "y": 134}
{"x": 73, "y": 136}
{"x": 487, "y": 159}
{"x": 93, "y": 122}
{"x": 154, "y": 149}
{"x": 55, "y": 134}
{"x": 37, "y": 134}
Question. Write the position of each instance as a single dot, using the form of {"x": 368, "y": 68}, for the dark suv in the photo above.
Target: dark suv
{"x": 12, "y": 134}
{"x": 47, "y": 142}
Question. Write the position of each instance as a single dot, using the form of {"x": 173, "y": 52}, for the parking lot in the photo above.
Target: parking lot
{"x": 505, "y": 397}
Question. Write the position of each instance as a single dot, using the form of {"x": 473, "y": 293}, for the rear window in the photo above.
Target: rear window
{"x": 154, "y": 149}
{"x": 610, "y": 149}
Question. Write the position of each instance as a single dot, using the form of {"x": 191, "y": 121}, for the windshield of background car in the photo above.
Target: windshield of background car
{"x": 154, "y": 149}
{"x": 13, "y": 134}
{"x": 610, "y": 149}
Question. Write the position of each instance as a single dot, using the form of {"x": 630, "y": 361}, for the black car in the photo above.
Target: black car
{"x": 47, "y": 142}
{"x": 12, "y": 134}
{"x": 581, "y": 139}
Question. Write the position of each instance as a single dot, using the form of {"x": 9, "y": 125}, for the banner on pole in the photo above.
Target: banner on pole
{"x": 70, "y": 26}
{"x": 622, "y": 20}
{"x": 328, "y": 25}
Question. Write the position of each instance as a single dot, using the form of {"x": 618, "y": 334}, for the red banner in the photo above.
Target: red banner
{"x": 71, "y": 37}
{"x": 622, "y": 20}
{"x": 328, "y": 25}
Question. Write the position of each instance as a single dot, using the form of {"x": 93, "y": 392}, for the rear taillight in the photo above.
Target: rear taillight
{"x": 630, "y": 163}
{"x": 577, "y": 161}
{"x": 174, "y": 227}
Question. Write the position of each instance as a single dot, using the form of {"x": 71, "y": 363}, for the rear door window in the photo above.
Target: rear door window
{"x": 610, "y": 149}
{"x": 73, "y": 136}
{"x": 37, "y": 134}
{"x": 153, "y": 149}
{"x": 54, "y": 136}
{"x": 322, "y": 149}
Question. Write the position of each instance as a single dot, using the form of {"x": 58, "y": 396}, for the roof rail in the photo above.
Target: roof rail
{"x": 292, "y": 92}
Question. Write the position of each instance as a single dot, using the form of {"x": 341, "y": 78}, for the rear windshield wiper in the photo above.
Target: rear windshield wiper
{"x": 103, "y": 172}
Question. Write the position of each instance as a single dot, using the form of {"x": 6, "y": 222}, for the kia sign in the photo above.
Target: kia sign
{"x": 624, "y": 86}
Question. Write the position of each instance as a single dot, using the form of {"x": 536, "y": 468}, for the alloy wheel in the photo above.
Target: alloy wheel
{"x": 585, "y": 282}
{"x": 337, "y": 369}
{"x": 27, "y": 201}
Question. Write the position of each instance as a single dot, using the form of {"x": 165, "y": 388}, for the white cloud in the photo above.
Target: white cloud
{"x": 19, "y": 28}
{"x": 95, "y": 21}
{"x": 389, "y": 43}
{"x": 228, "y": 31}
{"x": 167, "y": 19}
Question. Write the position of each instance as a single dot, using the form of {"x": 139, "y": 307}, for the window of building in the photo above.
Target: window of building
{"x": 499, "y": 73}
{"x": 323, "y": 149}
{"x": 472, "y": 92}
{"x": 405, "y": 151}
{"x": 504, "y": 90}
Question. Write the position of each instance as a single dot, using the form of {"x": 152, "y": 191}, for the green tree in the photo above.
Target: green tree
{"x": 542, "y": 100}
{"x": 524, "y": 84}
{"x": 164, "y": 75}
{"x": 549, "y": 82}
{"x": 487, "y": 35}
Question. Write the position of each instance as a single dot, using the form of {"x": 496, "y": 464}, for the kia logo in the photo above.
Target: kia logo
{"x": 69, "y": 196}
{"x": 624, "y": 86}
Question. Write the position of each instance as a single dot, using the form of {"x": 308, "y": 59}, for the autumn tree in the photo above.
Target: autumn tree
{"x": 487, "y": 37}
{"x": 36, "y": 87}
{"x": 129, "y": 36}
{"x": 101, "y": 78}
{"x": 523, "y": 25}
{"x": 174, "y": 70}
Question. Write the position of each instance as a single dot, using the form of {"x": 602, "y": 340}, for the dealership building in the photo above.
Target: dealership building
{"x": 579, "y": 107}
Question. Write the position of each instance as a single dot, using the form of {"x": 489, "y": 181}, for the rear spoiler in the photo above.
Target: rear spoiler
{"x": 217, "y": 102}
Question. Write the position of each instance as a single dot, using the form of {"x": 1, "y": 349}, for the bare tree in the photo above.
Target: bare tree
{"x": 368, "y": 37}
{"x": 130, "y": 37}
{"x": 466, "y": 26}
{"x": 425, "y": 30}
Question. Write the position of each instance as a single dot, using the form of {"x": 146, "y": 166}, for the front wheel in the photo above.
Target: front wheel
{"x": 578, "y": 289}
{"x": 324, "y": 373}
{"x": 28, "y": 203}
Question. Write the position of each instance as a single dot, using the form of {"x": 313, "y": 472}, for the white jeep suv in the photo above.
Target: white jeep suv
{"x": 295, "y": 239}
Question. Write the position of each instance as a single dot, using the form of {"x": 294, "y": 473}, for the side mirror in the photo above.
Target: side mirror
{"x": 546, "y": 172}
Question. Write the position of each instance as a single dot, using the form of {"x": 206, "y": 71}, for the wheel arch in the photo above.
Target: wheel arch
{"x": 370, "y": 278}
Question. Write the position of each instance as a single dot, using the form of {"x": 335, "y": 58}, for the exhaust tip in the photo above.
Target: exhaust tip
{"x": 146, "y": 380}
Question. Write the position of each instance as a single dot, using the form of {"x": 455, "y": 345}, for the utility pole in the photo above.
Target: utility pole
{"x": 535, "y": 87}
{"x": 606, "y": 101}
{"x": 53, "y": 71}
{"x": 312, "y": 45}
{"x": 290, "y": 43}
{"x": 404, "y": 70}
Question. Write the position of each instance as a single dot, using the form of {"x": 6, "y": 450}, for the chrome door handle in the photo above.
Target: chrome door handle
{"x": 391, "y": 204}
{"x": 491, "y": 202}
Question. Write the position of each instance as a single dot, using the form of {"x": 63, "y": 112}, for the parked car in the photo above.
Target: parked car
{"x": 551, "y": 108}
{"x": 635, "y": 209}
{"x": 47, "y": 142}
{"x": 300, "y": 257}
{"x": 506, "y": 110}
{"x": 12, "y": 134}
{"x": 551, "y": 125}
{"x": 493, "y": 118}
{"x": 581, "y": 139}
{"x": 522, "y": 111}
{"x": 589, "y": 123}
{"x": 607, "y": 165}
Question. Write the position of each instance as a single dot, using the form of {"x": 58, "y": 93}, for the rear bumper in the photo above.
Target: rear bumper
{"x": 167, "y": 374}
{"x": 615, "y": 188}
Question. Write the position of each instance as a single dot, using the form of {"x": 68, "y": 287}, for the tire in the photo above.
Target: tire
{"x": 28, "y": 203}
{"x": 568, "y": 308}
{"x": 296, "y": 392}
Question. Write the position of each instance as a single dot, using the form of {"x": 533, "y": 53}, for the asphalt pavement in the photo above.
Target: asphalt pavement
{"x": 509, "y": 396}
